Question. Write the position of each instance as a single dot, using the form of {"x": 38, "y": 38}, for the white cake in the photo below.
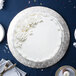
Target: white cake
{"x": 36, "y": 35}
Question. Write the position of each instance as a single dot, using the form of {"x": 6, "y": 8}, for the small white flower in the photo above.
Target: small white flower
{"x": 17, "y": 44}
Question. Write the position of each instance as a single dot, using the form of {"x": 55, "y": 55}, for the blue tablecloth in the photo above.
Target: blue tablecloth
{"x": 67, "y": 8}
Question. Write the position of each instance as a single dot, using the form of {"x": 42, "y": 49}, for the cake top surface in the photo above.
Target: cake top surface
{"x": 37, "y": 36}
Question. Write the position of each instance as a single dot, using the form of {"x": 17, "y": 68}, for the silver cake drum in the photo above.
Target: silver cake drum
{"x": 38, "y": 37}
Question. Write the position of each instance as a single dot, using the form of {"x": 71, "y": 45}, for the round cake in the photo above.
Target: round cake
{"x": 38, "y": 37}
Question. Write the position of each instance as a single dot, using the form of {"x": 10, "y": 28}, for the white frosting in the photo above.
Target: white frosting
{"x": 37, "y": 36}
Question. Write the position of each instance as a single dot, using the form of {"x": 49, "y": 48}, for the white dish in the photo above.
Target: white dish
{"x": 2, "y": 33}
{"x": 38, "y": 37}
{"x": 70, "y": 71}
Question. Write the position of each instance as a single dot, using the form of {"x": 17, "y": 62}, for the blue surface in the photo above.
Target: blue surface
{"x": 67, "y": 8}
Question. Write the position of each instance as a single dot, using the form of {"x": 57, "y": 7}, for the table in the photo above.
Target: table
{"x": 67, "y": 8}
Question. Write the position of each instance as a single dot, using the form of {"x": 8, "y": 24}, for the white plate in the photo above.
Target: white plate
{"x": 2, "y": 33}
{"x": 47, "y": 43}
{"x": 71, "y": 70}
